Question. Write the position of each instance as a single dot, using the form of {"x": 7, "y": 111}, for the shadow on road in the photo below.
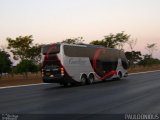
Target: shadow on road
{"x": 95, "y": 84}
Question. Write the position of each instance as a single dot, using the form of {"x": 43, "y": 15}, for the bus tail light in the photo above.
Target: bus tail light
{"x": 42, "y": 72}
{"x": 62, "y": 71}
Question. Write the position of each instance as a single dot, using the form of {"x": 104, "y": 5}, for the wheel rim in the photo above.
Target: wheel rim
{"x": 91, "y": 80}
{"x": 83, "y": 80}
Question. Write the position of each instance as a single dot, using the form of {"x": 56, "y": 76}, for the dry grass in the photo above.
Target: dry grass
{"x": 20, "y": 80}
{"x": 36, "y": 78}
{"x": 143, "y": 68}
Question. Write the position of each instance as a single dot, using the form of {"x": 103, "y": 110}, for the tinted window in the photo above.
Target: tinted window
{"x": 50, "y": 61}
{"x": 109, "y": 60}
{"x": 51, "y": 49}
{"x": 78, "y": 51}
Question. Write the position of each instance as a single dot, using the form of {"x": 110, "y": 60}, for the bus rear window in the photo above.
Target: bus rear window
{"x": 51, "y": 49}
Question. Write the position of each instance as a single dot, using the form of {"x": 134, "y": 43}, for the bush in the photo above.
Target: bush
{"x": 26, "y": 66}
{"x": 149, "y": 61}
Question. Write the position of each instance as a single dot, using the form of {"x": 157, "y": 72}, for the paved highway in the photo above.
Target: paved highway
{"x": 138, "y": 93}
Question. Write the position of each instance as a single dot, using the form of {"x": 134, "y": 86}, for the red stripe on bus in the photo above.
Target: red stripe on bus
{"x": 113, "y": 72}
{"x": 46, "y": 56}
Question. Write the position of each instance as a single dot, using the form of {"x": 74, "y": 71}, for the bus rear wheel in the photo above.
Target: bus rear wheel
{"x": 83, "y": 80}
{"x": 91, "y": 79}
{"x": 119, "y": 75}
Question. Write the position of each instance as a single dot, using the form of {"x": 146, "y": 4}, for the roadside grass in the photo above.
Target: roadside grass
{"x": 19, "y": 79}
{"x": 137, "y": 69}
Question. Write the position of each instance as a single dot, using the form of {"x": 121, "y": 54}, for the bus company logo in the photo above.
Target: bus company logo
{"x": 79, "y": 61}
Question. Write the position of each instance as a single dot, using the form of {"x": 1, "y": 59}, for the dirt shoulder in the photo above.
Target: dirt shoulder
{"x": 36, "y": 78}
{"x": 20, "y": 80}
{"x": 143, "y": 68}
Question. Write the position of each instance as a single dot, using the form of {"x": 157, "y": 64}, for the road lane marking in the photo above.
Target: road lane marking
{"x": 48, "y": 83}
{"x": 17, "y": 86}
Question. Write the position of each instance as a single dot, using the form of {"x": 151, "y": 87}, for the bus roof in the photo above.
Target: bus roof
{"x": 80, "y": 44}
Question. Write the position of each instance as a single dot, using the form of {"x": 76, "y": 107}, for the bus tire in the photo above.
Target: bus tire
{"x": 91, "y": 78}
{"x": 83, "y": 79}
{"x": 119, "y": 75}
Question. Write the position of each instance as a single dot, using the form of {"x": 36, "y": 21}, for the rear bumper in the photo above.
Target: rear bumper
{"x": 59, "y": 79}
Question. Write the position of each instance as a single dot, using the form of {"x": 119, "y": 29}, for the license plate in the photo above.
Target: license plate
{"x": 51, "y": 75}
{"x": 47, "y": 74}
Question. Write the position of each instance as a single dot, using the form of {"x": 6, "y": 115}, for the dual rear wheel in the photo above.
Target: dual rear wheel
{"x": 85, "y": 80}
{"x": 119, "y": 77}
{"x": 89, "y": 80}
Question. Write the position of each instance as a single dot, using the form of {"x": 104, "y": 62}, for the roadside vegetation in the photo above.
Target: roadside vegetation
{"x": 27, "y": 71}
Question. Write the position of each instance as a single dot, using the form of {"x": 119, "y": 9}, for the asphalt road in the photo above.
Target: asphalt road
{"x": 139, "y": 93}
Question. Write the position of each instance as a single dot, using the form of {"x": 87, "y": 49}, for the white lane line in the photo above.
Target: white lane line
{"x": 143, "y": 72}
{"x": 48, "y": 83}
{"x": 17, "y": 86}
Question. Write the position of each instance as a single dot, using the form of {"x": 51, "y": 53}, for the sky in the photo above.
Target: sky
{"x": 52, "y": 21}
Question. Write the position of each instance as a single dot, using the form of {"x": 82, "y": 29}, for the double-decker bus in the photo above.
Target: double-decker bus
{"x": 81, "y": 63}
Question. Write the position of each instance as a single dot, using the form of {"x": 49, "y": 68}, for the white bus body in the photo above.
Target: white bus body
{"x": 70, "y": 63}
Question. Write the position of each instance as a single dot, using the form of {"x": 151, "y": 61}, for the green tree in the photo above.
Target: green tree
{"x": 34, "y": 54}
{"x": 133, "y": 57}
{"x": 5, "y": 62}
{"x": 24, "y": 50}
{"x": 113, "y": 41}
{"x": 148, "y": 61}
{"x": 26, "y": 66}
{"x": 20, "y": 46}
{"x": 74, "y": 40}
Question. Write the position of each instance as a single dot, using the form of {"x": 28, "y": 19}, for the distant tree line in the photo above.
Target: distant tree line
{"x": 5, "y": 62}
{"x": 118, "y": 41}
{"x": 29, "y": 57}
